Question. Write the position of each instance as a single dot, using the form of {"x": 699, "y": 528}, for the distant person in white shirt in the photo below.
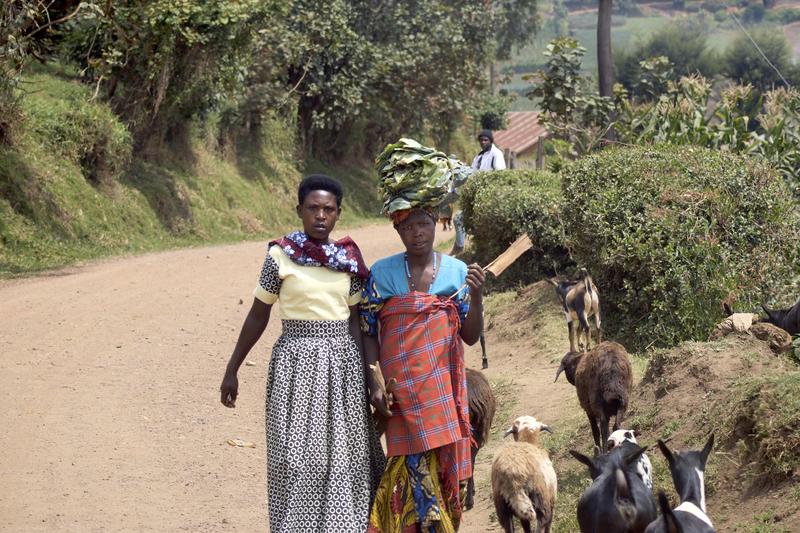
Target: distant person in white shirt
{"x": 489, "y": 158}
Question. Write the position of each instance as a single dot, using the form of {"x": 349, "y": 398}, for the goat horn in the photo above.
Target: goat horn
{"x": 559, "y": 371}
{"x": 508, "y": 432}
{"x": 547, "y": 429}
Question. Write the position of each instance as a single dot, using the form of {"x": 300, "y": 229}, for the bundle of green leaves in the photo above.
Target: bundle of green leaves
{"x": 413, "y": 175}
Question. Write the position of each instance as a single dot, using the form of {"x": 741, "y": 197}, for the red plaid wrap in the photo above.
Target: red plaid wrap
{"x": 421, "y": 348}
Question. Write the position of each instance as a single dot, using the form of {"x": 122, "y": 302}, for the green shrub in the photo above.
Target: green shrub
{"x": 500, "y": 206}
{"x": 669, "y": 232}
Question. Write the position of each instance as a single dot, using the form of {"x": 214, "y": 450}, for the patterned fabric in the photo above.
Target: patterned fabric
{"x": 388, "y": 279}
{"x": 422, "y": 350}
{"x": 306, "y": 292}
{"x": 414, "y": 496}
{"x": 324, "y": 459}
{"x": 342, "y": 255}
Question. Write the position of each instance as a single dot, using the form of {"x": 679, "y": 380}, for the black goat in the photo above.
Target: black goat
{"x": 687, "y": 470}
{"x": 482, "y": 406}
{"x": 786, "y": 319}
{"x": 617, "y": 500}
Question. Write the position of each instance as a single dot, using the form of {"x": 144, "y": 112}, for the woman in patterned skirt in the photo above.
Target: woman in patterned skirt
{"x": 324, "y": 459}
{"x": 415, "y": 326}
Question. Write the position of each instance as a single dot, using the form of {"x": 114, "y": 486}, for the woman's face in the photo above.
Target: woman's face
{"x": 319, "y": 213}
{"x": 417, "y": 233}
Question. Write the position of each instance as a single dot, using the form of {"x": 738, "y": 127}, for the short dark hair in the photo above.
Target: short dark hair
{"x": 487, "y": 134}
{"x": 319, "y": 182}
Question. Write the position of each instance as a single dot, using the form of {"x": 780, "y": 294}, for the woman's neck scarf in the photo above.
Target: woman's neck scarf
{"x": 342, "y": 255}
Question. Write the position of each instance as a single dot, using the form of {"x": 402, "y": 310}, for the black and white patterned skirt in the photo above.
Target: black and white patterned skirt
{"x": 324, "y": 459}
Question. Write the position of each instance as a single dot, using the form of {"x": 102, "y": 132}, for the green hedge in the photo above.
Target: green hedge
{"x": 500, "y": 206}
{"x": 668, "y": 233}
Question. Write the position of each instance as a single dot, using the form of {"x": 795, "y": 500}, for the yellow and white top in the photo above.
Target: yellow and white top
{"x": 306, "y": 292}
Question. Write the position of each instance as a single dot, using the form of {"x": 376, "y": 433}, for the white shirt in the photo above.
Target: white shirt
{"x": 491, "y": 159}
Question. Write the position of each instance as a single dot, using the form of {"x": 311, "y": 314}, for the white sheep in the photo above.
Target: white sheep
{"x": 524, "y": 482}
{"x": 643, "y": 468}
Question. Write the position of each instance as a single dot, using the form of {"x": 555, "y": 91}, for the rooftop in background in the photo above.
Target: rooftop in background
{"x": 522, "y": 134}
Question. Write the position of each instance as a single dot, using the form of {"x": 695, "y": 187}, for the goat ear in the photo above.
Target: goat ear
{"x": 769, "y": 313}
{"x": 582, "y": 458}
{"x": 707, "y": 449}
{"x": 559, "y": 371}
{"x": 632, "y": 458}
{"x": 727, "y": 307}
{"x": 665, "y": 451}
{"x": 670, "y": 523}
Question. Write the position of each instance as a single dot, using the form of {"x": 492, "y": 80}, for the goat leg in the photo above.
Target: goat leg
{"x": 604, "y": 421}
{"x": 595, "y": 431}
{"x": 571, "y": 329}
{"x": 584, "y": 329}
{"x": 619, "y": 417}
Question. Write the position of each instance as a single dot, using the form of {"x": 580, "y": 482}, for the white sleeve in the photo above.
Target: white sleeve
{"x": 499, "y": 160}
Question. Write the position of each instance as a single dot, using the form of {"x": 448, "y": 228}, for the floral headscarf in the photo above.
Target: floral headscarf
{"x": 342, "y": 255}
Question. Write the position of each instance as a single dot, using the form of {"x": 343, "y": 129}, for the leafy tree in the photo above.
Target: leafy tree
{"x": 744, "y": 64}
{"x": 572, "y": 109}
{"x": 25, "y": 29}
{"x": 163, "y": 62}
{"x": 517, "y": 22}
{"x": 685, "y": 46}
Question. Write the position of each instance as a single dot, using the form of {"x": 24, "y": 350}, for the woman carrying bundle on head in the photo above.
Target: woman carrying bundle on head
{"x": 415, "y": 329}
{"x": 324, "y": 459}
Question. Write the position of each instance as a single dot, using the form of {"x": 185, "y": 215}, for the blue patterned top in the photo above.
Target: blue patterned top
{"x": 388, "y": 278}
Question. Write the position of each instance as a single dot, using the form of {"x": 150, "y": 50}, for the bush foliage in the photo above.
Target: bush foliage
{"x": 500, "y": 206}
{"x": 668, "y": 233}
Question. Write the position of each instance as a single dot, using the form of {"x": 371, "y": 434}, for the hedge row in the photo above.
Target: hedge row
{"x": 668, "y": 233}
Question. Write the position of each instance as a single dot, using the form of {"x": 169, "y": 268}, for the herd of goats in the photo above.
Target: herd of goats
{"x": 620, "y": 498}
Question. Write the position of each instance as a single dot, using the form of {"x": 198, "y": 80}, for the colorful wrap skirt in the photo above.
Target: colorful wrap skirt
{"x": 324, "y": 459}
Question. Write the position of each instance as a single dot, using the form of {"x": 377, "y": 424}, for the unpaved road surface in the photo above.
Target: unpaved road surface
{"x": 110, "y": 376}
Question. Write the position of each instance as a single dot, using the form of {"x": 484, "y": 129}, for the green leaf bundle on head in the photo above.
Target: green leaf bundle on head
{"x": 416, "y": 176}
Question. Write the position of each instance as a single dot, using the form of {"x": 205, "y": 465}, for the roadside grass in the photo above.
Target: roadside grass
{"x": 72, "y": 190}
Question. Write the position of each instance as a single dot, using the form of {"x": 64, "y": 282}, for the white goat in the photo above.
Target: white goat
{"x": 524, "y": 482}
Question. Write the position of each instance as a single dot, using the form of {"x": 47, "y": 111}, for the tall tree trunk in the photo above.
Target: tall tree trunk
{"x": 605, "y": 66}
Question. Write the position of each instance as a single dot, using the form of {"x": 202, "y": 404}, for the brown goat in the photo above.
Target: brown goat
{"x": 482, "y": 406}
{"x": 579, "y": 300}
{"x": 603, "y": 379}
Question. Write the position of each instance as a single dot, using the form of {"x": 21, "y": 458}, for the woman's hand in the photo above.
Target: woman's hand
{"x": 475, "y": 280}
{"x": 229, "y": 389}
{"x": 382, "y": 402}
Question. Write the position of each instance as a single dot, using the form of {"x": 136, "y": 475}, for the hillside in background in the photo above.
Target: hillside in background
{"x": 630, "y": 30}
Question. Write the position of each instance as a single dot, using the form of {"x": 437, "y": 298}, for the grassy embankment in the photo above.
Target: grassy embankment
{"x": 71, "y": 189}
{"x": 626, "y": 31}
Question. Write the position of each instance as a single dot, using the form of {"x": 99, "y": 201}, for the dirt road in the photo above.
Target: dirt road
{"x": 110, "y": 374}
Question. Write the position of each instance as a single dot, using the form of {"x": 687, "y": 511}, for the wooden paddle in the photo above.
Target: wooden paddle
{"x": 504, "y": 260}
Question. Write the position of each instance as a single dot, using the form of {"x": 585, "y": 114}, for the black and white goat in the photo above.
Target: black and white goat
{"x": 786, "y": 319}
{"x": 617, "y": 500}
{"x": 643, "y": 467}
{"x": 688, "y": 472}
{"x": 579, "y": 300}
